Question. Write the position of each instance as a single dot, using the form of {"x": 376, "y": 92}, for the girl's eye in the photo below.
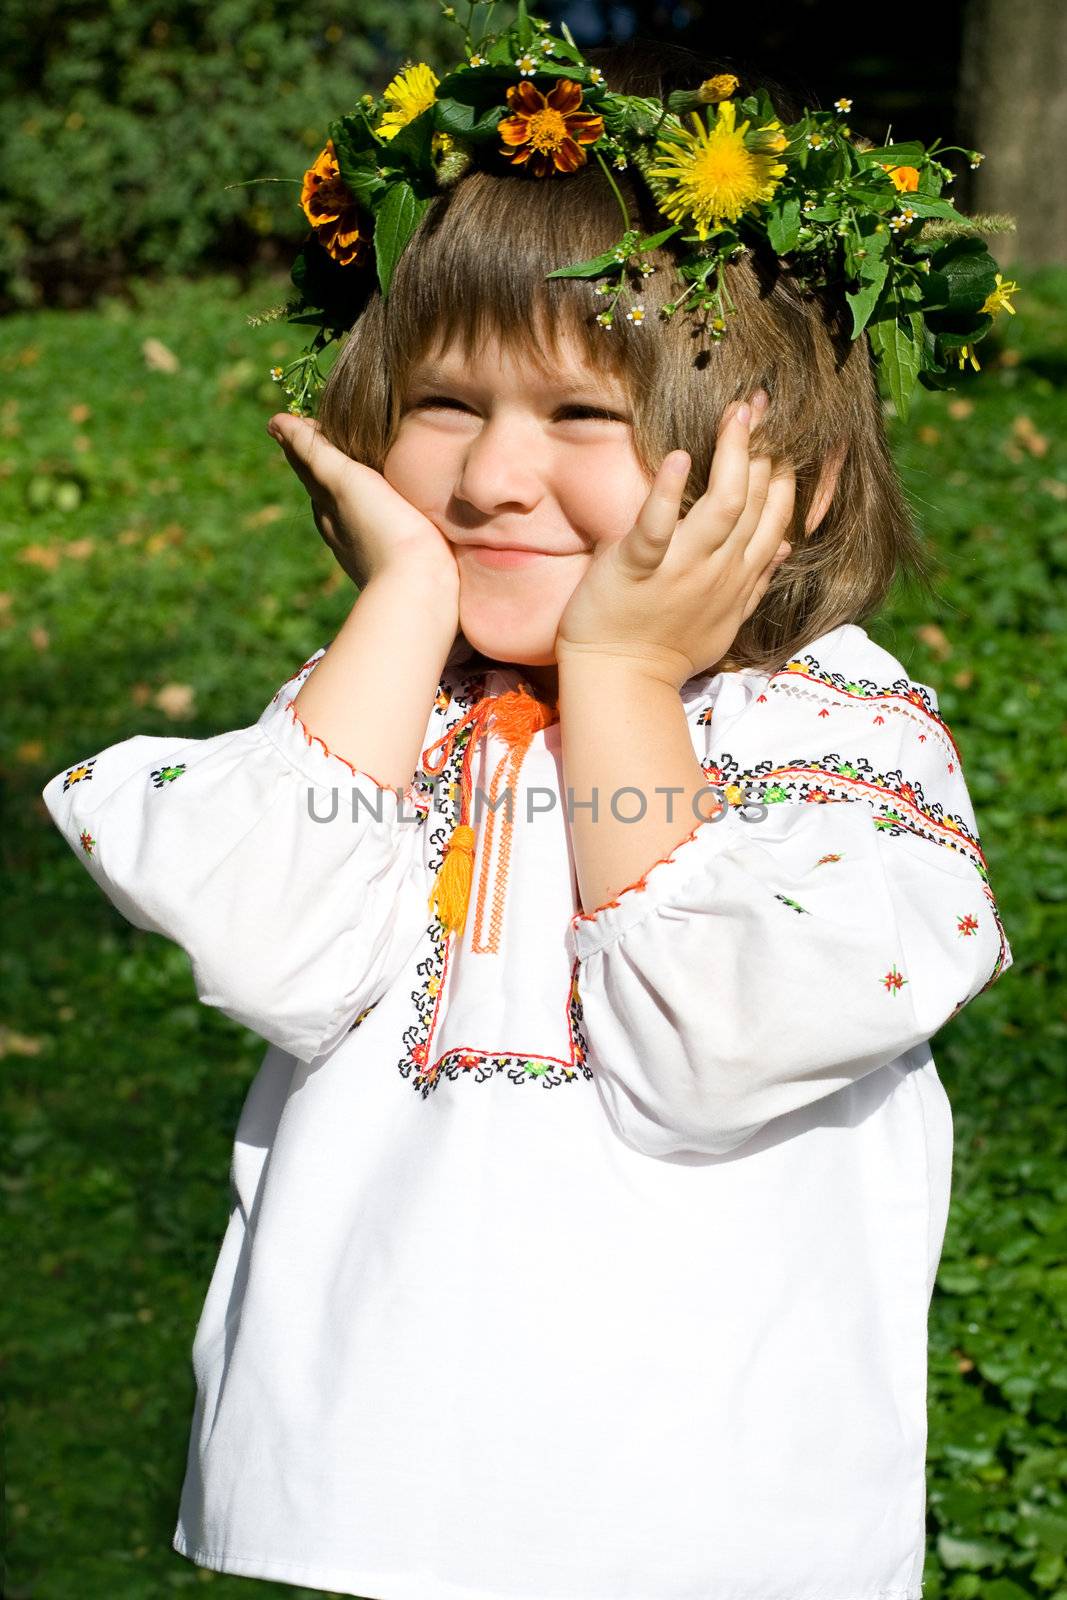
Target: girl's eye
{"x": 594, "y": 412}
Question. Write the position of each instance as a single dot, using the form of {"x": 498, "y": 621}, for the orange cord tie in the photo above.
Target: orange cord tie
{"x": 516, "y": 717}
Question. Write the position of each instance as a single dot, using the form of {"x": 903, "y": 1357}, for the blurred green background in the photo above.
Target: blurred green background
{"x": 161, "y": 569}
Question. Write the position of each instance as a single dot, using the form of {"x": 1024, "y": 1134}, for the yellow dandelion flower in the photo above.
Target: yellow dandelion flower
{"x": 409, "y": 94}
{"x": 770, "y": 138}
{"x": 715, "y": 175}
{"x": 999, "y": 299}
{"x": 720, "y": 87}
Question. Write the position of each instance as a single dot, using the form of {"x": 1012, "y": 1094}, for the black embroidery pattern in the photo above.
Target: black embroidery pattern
{"x": 81, "y": 773}
{"x": 415, "y": 1064}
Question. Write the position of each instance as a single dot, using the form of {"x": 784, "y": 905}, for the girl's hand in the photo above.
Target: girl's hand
{"x": 670, "y": 596}
{"x": 366, "y": 523}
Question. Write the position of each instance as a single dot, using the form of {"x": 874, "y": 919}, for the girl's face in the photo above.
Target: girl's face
{"x": 505, "y": 463}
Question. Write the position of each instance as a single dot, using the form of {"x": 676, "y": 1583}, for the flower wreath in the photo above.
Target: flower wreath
{"x": 915, "y": 272}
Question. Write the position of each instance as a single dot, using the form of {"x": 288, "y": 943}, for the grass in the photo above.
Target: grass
{"x": 163, "y": 568}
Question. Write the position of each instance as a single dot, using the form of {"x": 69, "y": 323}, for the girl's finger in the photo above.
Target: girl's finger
{"x": 317, "y": 463}
{"x": 759, "y": 481}
{"x": 650, "y": 537}
{"x": 714, "y": 516}
{"x": 775, "y": 521}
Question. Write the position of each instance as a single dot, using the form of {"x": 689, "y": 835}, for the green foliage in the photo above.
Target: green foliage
{"x": 189, "y": 548}
{"x": 156, "y": 135}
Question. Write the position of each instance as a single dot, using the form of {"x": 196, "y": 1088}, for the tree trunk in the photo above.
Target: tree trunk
{"x": 1013, "y": 108}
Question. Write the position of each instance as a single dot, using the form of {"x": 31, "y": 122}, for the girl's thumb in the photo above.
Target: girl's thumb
{"x": 284, "y": 427}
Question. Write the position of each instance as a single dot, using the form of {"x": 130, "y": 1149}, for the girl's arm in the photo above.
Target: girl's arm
{"x": 624, "y": 730}
{"x": 278, "y": 855}
{"x": 761, "y": 965}
{"x": 368, "y": 700}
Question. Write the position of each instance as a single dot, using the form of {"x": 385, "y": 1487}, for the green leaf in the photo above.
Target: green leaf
{"x": 479, "y": 86}
{"x": 523, "y": 27}
{"x": 897, "y": 155}
{"x": 464, "y": 122}
{"x": 783, "y": 225}
{"x": 974, "y": 1555}
{"x": 927, "y": 205}
{"x": 587, "y": 269}
{"x": 897, "y": 345}
{"x": 962, "y": 274}
{"x": 397, "y": 219}
{"x": 653, "y": 241}
{"x": 410, "y": 148}
{"x": 358, "y": 155}
{"x": 863, "y": 300}
{"x": 567, "y": 52}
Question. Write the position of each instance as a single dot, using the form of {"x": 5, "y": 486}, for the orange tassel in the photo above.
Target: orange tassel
{"x": 452, "y": 886}
{"x": 517, "y": 716}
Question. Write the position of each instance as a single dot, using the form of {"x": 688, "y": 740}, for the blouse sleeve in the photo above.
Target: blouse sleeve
{"x": 293, "y": 881}
{"x": 786, "y": 949}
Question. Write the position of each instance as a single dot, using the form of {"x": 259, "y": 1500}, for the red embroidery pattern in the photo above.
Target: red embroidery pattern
{"x": 87, "y": 842}
{"x": 411, "y": 793}
{"x": 418, "y": 1064}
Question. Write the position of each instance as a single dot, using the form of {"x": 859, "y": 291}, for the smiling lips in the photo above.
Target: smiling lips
{"x": 492, "y": 556}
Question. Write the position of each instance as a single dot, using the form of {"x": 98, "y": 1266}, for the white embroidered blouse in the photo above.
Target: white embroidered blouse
{"x": 576, "y": 1256}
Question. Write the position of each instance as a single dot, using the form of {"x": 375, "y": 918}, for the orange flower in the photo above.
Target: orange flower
{"x": 330, "y": 207}
{"x": 906, "y": 179}
{"x": 547, "y": 131}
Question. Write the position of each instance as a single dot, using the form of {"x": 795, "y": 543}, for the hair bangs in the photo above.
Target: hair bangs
{"x": 476, "y": 270}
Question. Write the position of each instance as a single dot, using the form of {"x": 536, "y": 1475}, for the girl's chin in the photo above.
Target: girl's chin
{"x": 532, "y": 644}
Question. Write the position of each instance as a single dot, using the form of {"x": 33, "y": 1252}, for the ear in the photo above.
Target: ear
{"x": 824, "y": 493}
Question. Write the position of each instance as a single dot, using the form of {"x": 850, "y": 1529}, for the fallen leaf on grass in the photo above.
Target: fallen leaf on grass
{"x": 141, "y": 693}
{"x": 928, "y": 435}
{"x": 31, "y": 750}
{"x": 964, "y": 678}
{"x": 260, "y": 519}
{"x": 47, "y": 556}
{"x": 158, "y": 358}
{"x": 40, "y": 638}
{"x": 935, "y": 639}
{"x": 130, "y": 536}
{"x": 960, "y": 408}
{"x": 80, "y": 412}
{"x": 1023, "y": 429}
{"x": 173, "y": 533}
{"x": 80, "y": 549}
{"x": 176, "y": 699}
{"x": 18, "y": 1044}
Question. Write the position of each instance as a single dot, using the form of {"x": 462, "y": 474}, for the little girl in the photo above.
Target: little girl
{"x": 597, "y": 890}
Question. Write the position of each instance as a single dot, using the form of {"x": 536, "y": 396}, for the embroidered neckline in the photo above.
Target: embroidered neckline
{"x": 515, "y": 716}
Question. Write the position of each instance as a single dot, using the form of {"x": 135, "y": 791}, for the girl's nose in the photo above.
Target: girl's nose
{"x": 500, "y": 470}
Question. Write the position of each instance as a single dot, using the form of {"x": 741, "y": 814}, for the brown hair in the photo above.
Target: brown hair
{"x": 475, "y": 269}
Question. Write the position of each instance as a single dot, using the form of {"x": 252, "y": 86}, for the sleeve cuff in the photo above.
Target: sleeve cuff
{"x": 591, "y": 930}
{"x": 311, "y": 757}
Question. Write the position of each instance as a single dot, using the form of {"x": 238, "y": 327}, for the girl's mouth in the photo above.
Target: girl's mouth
{"x": 490, "y": 556}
